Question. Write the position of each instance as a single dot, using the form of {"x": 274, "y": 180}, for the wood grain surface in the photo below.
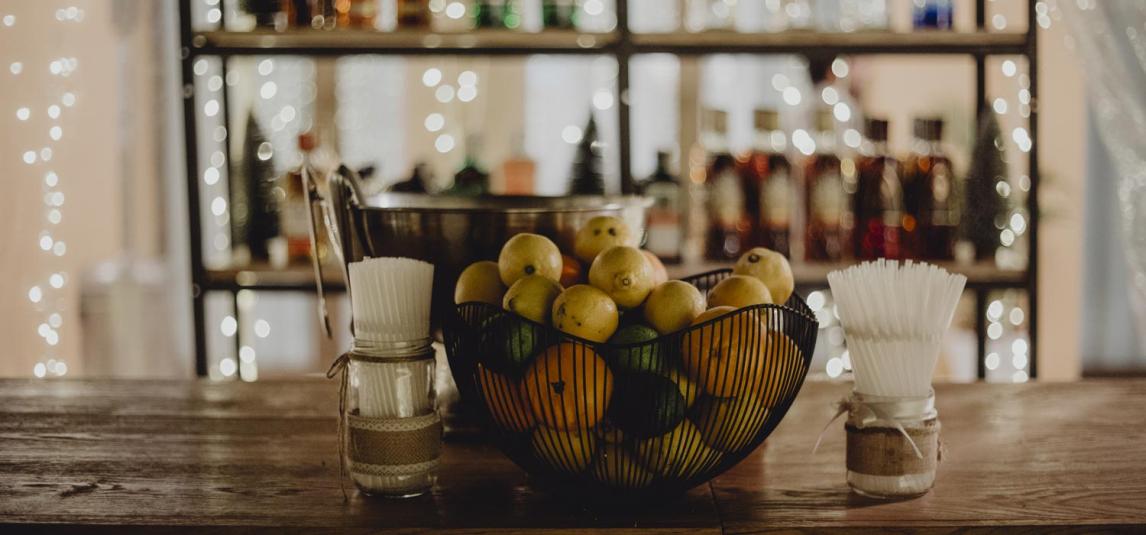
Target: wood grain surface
{"x": 195, "y": 457}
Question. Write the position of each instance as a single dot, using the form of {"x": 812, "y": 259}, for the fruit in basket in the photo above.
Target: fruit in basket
{"x": 512, "y": 339}
{"x": 641, "y": 358}
{"x": 724, "y": 357}
{"x": 572, "y": 272}
{"x": 480, "y": 281}
{"x": 529, "y": 254}
{"x": 660, "y": 274}
{"x": 618, "y": 468}
{"x": 781, "y": 354}
{"x": 681, "y": 452}
{"x": 609, "y": 433}
{"x": 728, "y": 424}
{"x": 532, "y": 297}
{"x": 505, "y": 401}
{"x": 646, "y": 404}
{"x": 569, "y": 386}
{"x": 771, "y": 268}
{"x": 687, "y": 387}
{"x": 584, "y": 311}
{"x": 672, "y": 306}
{"x": 567, "y": 451}
{"x": 598, "y": 234}
{"x": 739, "y": 291}
{"x": 624, "y": 273}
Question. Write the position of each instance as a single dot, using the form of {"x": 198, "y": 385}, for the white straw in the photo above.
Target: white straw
{"x": 894, "y": 317}
{"x": 390, "y": 299}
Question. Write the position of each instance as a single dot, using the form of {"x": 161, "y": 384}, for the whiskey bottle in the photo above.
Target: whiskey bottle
{"x": 766, "y": 179}
{"x": 663, "y": 221}
{"x": 729, "y": 229}
{"x": 295, "y": 219}
{"x": 828, "y": 207}
{"x": 931, "y": 217}
{"x": 879, "y": 198}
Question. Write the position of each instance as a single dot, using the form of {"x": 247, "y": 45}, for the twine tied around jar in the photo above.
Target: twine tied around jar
{"x": 886, "y": 411}
{"x": 341, "y": 367}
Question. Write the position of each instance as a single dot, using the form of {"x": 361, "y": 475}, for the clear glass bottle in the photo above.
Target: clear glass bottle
{"x": 663, "y": 224}
{"x": 766, "y": 178}
{"x": 881, "y": 460}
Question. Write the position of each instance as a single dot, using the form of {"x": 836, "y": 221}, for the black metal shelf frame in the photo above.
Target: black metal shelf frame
{"x": 621, "y": 44}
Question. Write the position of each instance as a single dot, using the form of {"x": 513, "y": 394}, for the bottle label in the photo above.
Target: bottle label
{"x": 828, "y": 199}
{"x": 727, "y": 201}
{"x": 776, "y": 201}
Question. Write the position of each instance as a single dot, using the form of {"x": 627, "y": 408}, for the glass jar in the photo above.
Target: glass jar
{"x": 393, "y": 427}
{"x": 892, "y": 445}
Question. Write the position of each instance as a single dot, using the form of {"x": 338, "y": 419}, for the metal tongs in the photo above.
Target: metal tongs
{"x": 345, "y": 193}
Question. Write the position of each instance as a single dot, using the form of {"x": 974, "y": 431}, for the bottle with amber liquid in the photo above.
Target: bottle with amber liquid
{"x": 827, "y": 197}
{"x": 295, "y": 220}
{"x": 729, "y": 228}
{"x": 663, "y": 222}
{"x": 766, "y": 178}
{"x": 879, "y": 198}
{"x": 413, "y": 14}
{"x": 931, "y": 216}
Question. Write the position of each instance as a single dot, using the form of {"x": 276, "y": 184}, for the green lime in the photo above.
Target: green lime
{"x": 646, "y": 405}
{"x": 512, "y": 340}
{"x": 645, "y": 357}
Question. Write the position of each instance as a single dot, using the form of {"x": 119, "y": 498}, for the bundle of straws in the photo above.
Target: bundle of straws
{"x": 894, "y": 317}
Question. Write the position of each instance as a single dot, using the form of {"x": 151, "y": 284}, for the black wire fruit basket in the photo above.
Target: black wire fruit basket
{"x": 635, "y": 420}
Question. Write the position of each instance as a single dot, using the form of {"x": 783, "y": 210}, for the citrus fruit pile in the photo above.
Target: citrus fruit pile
{"x": 654, "y": 380}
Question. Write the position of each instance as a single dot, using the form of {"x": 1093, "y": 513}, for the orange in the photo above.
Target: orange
{"x": 725, "y": 357}
{"x": 568, "y": 451}
{"x": 729, "y": 424}
{"x": 780, "y": 356}
{"x": 572, "y": 272}
{"x": 568, "y": 386}
{"x": 505, "y": 401}
{"x": 660, "y": 274}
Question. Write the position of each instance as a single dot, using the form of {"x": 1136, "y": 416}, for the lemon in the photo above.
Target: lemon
{"x": 598, "y": 234}
{"x": 531, "y": 297}
{"x": 671, "y": 306}
{"x": 624, "y": 273}
{"x": 678, "y": 453}
{"x": 660, "y": 274}
{"x": 529, "y": 254}
{"x": 617, "y": 467}
{"x": 724, "y": 357}
{"x": 729, "y": 424}
{"x": 585, "y": 311}
{"x": 480, "y": 281}
{"x": 568, "y": 451}
{"x": 739, "y": 291}
{"x": 687, "y": 387}
{"x": 771, "y": 268}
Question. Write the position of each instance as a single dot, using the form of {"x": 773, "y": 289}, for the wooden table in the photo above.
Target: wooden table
{"x": 99, "y": 456}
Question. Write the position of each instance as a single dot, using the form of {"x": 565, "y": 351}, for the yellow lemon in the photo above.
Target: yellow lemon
{"x": 598, "y": 234}
{"x": 624, "y": 273}
{"x": 529, "y": 254}
{"x": 739, "y": 291}
{"x": 480, "y": 281}
{"x": 688, "y": 388}
{"x": 729, "y": 424}
{"x": 531, "y": 297}
{"x": 568, "y": 451}
{"x": 771, "y": 268}
{"x": 672, "y": 306}
{"x": 781, "y": 356}
{"x": 681, "y": 452}
{"x": 617, "y": 467}
{"x": 584, "y": 311}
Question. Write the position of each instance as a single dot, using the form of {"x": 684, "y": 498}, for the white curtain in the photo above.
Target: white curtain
{"x": 1111, "y": 41}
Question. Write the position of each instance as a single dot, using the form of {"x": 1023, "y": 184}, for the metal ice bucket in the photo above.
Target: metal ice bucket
{"x": 450, "y": 232}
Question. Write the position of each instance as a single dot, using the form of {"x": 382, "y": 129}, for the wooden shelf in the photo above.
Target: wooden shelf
{"x": 347, "y": 42}
{"x": 504, "y": 42}
{"x": 300, "y": 278}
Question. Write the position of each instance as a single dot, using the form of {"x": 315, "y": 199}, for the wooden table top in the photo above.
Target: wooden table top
{"x": 99, "y": 456}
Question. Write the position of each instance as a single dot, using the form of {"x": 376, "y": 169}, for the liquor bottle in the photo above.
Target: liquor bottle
{"x": 729, "y": 229}
{"x": 471, "y": 180}
{"x": 298, "y": 13}
{"x": 268, "y": 14}
{"x": 931, "y": 217}
{"x": 766, "y": 179}
{"x": 294, "y": 217}
{"x": 356, "y": 13}
{"x": 487, "y": 14}
{"x": 517, "y": 172}
{"x": 413, "y": 14}
{"x": 663, "y": 222}
{"x": 323, "y": 14}
{"x": 827, "y": 200}
{"x": 558, "y": 14}
{"x": 878, "y": 199}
